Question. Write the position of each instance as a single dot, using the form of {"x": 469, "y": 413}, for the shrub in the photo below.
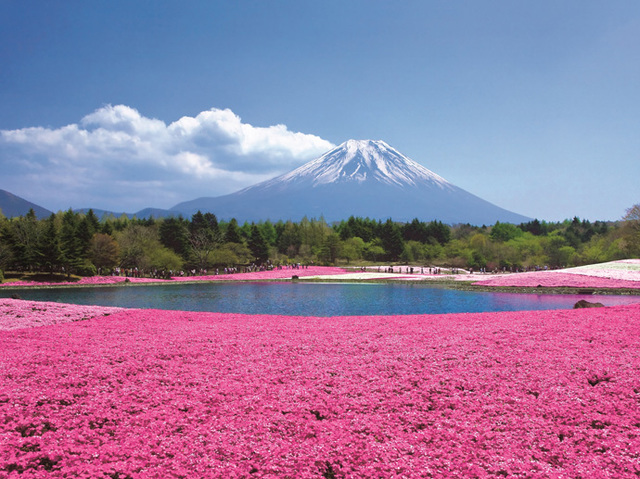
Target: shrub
{"x": 86, "y": 269}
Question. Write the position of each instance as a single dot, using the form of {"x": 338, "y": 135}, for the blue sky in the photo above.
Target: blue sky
{"x": 534, "y": 106}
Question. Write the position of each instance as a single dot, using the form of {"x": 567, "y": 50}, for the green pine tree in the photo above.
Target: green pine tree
{"x": 50, "y": 250}
{"x": 258, "y": 245}
{"x": 232, "y": 234}
{"x": 392, "y": 240}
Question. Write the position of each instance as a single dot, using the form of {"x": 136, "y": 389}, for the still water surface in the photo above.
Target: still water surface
{"x": 310, "y": 299}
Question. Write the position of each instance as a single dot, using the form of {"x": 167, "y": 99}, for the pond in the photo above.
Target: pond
{"x": 310, "y": 299}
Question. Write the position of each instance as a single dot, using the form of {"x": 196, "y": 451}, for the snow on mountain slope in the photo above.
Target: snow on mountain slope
{"x": 359, "y": 161}
{"x": 358, "y": 178}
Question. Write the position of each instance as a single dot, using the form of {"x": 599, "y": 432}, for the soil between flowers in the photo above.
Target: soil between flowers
{"x": 147, "y": 393}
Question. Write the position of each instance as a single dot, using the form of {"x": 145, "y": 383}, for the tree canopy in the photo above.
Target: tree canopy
{"x": 82, "y": 244}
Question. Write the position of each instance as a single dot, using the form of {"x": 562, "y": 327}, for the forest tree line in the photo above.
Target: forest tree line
{"x": 85, "y": 245}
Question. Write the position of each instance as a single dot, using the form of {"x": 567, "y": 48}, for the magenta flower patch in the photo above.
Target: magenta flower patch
{"x": 16, "y": 314}
{"x": 551, "y": 279}
{"x": 254, "y": 276}
{"x": 159, "y": 394}
{"x": 614, "y": 274}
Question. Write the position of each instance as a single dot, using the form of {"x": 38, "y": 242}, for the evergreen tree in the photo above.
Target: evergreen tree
{"x": 87, "y": 227}
{"x": 439, "y": 231}
{"x": 313, "y": 232}
{"x": 232, "y": 234}
{"x": 50, "y": 250}
{"x": 24, "y": 239}
{"x": 279, "y": 227}
{"x": 258, "y": 245}
{"x": 94, "y": 222}
{"x": 289, "y": 241}
{"x": 366, "y": 228}
{"x": 69, "y": 241}
{"x": 198, "y": 223}
{"x": 245, "y": 231}
{"x": 415, "y": 231}
{"x": 107, "y": 228}
{"x": 6, "y": 255}
{"x": 344, "y": 230}
{"x": 392, "y": 240}
{"x": 535, "y": 227}
{"x": 174, "y": 235}
{"x": 330, "y": 248}
{"x": 119, "y": 224}
{"x": 213, "y": 226}
{"x": 268, "y": 232}
{"x": 205, "y": 224}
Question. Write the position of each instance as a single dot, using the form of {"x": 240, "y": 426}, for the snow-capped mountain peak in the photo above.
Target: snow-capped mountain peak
{"x": 359, "y": 161}
{"x": 362, "y": 178}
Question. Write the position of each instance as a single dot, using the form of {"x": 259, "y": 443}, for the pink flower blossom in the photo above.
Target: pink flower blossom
{"x": 626, "y": 269}
{"x": 255, "y": 276}
{"x": 551, "y": 279}
{"x": 155, "y": 394}
{"x": 614, "y": 274}
{"x": 16, "y": 314}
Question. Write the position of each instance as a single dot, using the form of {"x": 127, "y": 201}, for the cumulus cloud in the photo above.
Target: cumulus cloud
{"x": 115, "y": 158}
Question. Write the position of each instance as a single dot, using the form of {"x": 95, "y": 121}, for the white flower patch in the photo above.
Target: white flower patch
{"x": 628, "y": 270}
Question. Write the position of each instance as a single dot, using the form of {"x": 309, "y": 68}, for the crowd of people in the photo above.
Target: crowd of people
{"x": 166, "y": 274}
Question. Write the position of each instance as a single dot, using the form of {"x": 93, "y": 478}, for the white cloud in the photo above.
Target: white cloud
{"x": 115, "y": 158}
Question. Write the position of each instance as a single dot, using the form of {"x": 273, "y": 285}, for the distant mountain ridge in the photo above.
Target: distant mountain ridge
{"x": 12, "y": 205}
{"x": 363, "y": 178}
{"x": 144, "y": 213}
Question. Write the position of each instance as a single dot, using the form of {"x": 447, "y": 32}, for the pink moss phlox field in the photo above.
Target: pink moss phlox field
{"x": 626, "y": 269}
{"x": 157, "y": 394}
{"x": 90, "y": 280}
{"x": 614, "y": 274}
{"x": 17, "y": 314}
{"x": 255, "y": 276}
{"x": 550, "y": 279}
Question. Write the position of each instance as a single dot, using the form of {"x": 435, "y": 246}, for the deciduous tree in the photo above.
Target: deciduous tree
{"x": 103, "y": 251}
{"x": 632, "y": 231}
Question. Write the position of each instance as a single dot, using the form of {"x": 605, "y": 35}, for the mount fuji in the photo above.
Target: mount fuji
{"x": 363, "y": 178}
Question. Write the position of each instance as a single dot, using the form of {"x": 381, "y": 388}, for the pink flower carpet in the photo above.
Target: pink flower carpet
{"x": 16, "y": 314}
{"x": 559, "y": 279}
{"x": 166, "y": 394}
{"x": 624, "y": 269}
{"x": 254, "y": 276}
